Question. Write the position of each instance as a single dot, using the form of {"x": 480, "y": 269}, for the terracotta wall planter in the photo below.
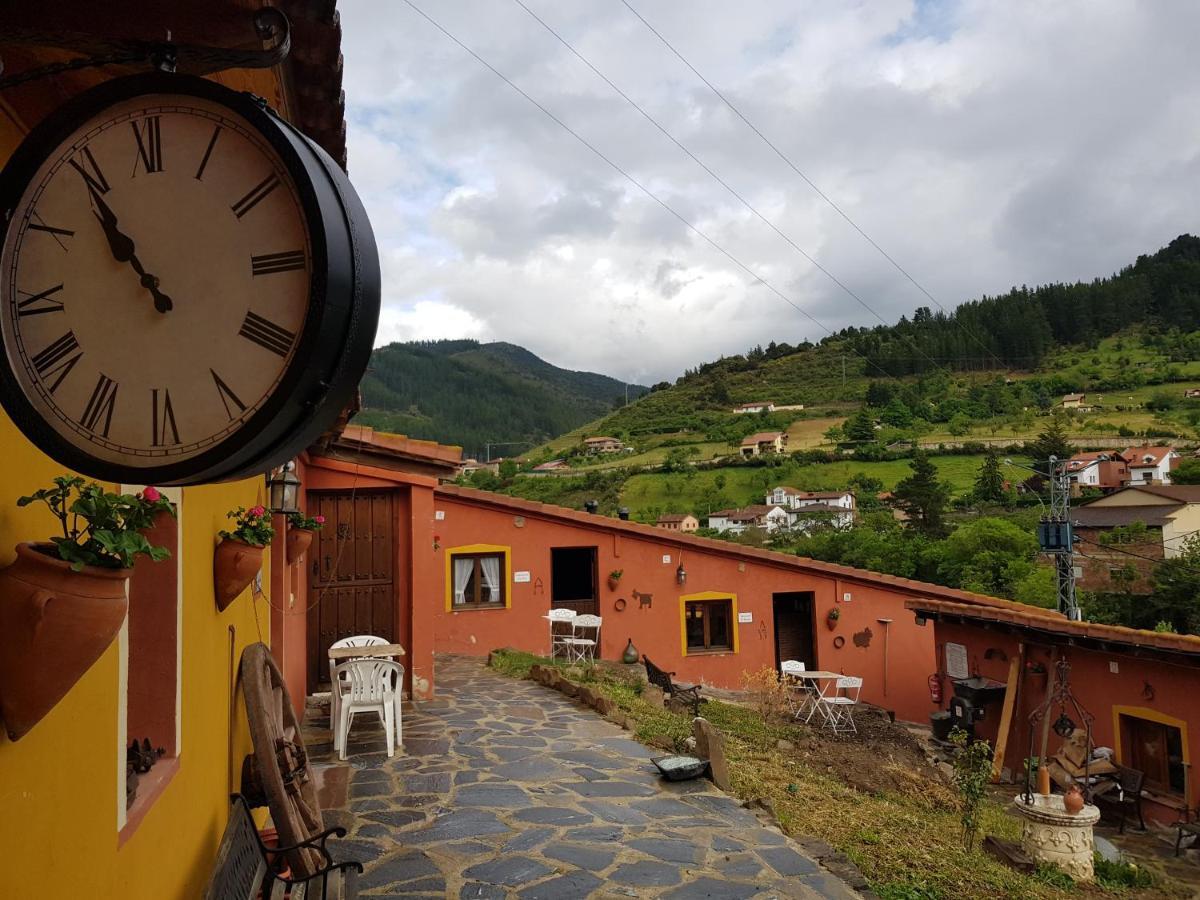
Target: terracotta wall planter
{"x": 297, "y": 542}
{"x": 54, "y": 624}
{"x": 831, "y": 622}
{"x": 235, "y": 564}
{"x": 614, "y": 583}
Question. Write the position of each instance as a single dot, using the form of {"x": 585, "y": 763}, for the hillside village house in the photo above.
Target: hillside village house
{"x": 1171, "y": 514}
{"x": 1191, "y": 394}
{"x": 765, "y": 517}
{"x": 170, "y": 675}
{"x": 470, "y": 466}
{"x": 1075, "y": 401}
{"x": 1140, "y": 687}
{"x": 1104, "y": 471}
{"x": 602, "y": 444}
{"x": 764, "y": 442}
{"x": 1150, "y": 465}
{"x": 757, "y": 406}
{"x": 684, "y": 522}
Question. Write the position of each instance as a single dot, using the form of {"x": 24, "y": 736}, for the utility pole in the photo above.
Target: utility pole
{"x": 843, "y": 370}
{"x": 1056, "y": 537}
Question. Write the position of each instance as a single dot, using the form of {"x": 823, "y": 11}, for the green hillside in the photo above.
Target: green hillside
{"x": 468, "y": 393}
{"x": 991, "y": 370}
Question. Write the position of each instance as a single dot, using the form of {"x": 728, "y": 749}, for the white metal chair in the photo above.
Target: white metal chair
{"x": 337, "y": 688}
{"x": 374, "y": 686}
{"x": 580, "y": 647}
{"x": 838, "y": 708}
{"x": 560, "y": 631}
{"x": 791, "y": 669}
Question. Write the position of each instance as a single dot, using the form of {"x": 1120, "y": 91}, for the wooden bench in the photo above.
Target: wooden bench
{"x": 245, "y": 865}
{"x": 1125, "y": 797}
{"x": 686, "y": 693}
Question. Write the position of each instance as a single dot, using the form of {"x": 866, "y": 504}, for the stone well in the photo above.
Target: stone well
{"x": 1050, "y": 834}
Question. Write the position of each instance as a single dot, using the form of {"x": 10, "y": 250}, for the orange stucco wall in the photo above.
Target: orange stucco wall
{"x": 1100, "y": 690}
{"x": 657, "y": 630}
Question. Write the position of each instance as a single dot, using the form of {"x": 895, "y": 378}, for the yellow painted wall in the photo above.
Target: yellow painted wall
{"x": 58, "y": 784}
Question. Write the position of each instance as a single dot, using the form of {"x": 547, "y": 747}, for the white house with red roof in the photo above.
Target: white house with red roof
{"x": 1150, "y": 465}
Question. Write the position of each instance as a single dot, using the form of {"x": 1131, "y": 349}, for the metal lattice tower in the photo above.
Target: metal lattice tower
{"x": 1058, "y": 539}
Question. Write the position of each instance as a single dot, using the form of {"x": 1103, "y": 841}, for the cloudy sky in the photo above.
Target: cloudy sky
{"x": 981, "y": 144}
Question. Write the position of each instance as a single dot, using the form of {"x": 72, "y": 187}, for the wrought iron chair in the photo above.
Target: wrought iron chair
{"x": 838, "y": 708}
{"x": 580, "y": 647}
{"x": 804, "y": 690}
{"x": 560, "y": 631}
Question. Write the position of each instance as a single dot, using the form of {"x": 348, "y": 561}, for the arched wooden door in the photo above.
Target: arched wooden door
{"x": 352, "y": 574}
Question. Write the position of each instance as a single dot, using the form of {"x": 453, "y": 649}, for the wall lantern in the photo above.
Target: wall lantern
{"x": 680, "y": 575}
{"x": 284, "y": 487}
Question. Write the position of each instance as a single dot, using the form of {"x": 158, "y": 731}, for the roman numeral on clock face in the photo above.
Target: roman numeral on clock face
{"x": 90, "y": 171}
{"x": 99, "y": 409}
{"x": 56, "y": 360}
{"x": 256, "y": 195}
{"x": 148, "y": 134}
{"x": 36, "y": 304}
{"x": 227, "y": 396}
{"x": 162, "y": 421}
{"x": 212, "y": 142}
{"x": 267, "y": 334}
{"x": 270, "y": 263}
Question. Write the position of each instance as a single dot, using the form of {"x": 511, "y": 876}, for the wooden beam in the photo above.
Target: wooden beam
{"x": 1015, "y": 666}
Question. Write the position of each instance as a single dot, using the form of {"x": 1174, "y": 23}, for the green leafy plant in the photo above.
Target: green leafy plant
{"x": 253, "y": 526}
{"x": 300, "y": 520}
{"x": 972, "y": 771}
{"x": 615, "y": 574}
{"x": 834, "y": 614}
{"x": 100, "y": 528}
{"x": 1119, "y": 875}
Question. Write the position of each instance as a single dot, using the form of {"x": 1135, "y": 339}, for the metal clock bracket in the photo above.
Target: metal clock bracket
{"x": 270, "y": 24}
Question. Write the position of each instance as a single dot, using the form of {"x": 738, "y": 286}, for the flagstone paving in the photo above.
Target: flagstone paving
{"x": 508, "y": 789}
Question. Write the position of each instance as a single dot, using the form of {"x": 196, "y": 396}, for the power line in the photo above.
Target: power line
{"x": 899, "y": 268}
{"x": 721, "y": 181}
{"x": 1155, "y": 560}
{"x": 645, "y": 190}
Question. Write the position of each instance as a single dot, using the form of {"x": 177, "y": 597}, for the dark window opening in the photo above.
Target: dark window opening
{"x": 709, "y": 625}
{"x": 1156, "y": 750}
{"x": 479, "y": 580}
{"x": 573, "y": 581}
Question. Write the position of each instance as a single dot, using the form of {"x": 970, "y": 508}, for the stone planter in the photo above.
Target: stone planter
{"x": 298, "y": 541}
{"x": 1050, "y": 834}
{"x": 54, "y": 624}
{"x": 235, "y": 564}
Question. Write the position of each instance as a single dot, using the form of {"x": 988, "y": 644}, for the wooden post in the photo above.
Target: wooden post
{"x": 1015, "y": 666}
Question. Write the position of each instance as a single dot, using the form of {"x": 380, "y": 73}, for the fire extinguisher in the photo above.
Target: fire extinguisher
{"x": 935, "y": 688}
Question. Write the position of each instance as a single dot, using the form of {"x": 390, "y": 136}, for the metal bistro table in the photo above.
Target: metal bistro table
{"x": 375, "y": 651}
{"x": 820, "y": 683}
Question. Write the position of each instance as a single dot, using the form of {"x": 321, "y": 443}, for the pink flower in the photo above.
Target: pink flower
{"x": 258, "y": 511}
{"x": 151, "y": 495}
{"x": 320, "y": 520}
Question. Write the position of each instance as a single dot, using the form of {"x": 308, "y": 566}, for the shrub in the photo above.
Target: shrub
{"x": 972, "y": 771}
{"x": 769, "y": 695}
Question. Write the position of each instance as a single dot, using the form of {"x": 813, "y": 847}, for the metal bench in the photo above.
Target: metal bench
{"x": 686, "y": 693}
{"x": 245, "y": 865}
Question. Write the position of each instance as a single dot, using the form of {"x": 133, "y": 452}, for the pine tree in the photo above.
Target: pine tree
{"x": 989, "y": 483}
{"x": 923, "y": 497}
{"x": 860, "y": 427}
{"x": 1051, "y": 442}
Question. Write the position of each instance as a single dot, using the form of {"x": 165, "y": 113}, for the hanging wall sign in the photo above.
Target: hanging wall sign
{"x": 189, "y": 287}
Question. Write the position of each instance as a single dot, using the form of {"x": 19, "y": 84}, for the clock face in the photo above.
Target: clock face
{"x": 155, "y": 279}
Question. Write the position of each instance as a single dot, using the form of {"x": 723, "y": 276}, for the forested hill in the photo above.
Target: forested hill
{"x": 1017, "y": 329}
{"x": 468, "y": 393}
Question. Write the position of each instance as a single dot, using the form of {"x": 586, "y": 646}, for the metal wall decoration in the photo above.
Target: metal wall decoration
{"x": 644, "y": 600}
{"x": 863, "y": 638}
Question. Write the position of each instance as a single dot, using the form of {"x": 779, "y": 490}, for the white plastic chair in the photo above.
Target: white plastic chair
{"x": 336, "y": 688}
{"x": 374, "y": 686}
{"x": 559, "y": 636}
{"x": 839, "y": 706}
{"x": 580, "y": 647}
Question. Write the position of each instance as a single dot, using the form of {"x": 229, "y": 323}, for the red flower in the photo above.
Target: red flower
{"x": 258, "y": 511}
{"x": 320, "y": 520}
{"x": 151, "y": 495}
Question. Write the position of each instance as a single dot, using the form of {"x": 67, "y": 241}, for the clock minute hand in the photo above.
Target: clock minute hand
{"x": 123, "y": 250}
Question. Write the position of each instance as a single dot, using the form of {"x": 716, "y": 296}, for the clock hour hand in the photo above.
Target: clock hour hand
{"x": 123, "y": 250}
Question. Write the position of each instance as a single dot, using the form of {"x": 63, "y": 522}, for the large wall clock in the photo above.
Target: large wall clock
{"x": 189, "y": 287}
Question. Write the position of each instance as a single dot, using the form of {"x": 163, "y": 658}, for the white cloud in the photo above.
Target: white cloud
{"x": 982, "y": 144}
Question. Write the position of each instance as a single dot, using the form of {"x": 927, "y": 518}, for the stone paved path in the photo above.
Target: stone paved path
{"x": 508, "y": 789}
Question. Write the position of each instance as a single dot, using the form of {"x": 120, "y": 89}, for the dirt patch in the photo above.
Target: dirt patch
{"x": 882, "y": 757}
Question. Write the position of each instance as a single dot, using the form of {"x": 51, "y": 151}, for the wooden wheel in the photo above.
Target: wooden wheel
{"x": 279, "y": 765}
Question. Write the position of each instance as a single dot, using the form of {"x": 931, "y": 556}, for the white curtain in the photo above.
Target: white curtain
{"x": 491, "y": 576}
{"x": 462, "y": 574}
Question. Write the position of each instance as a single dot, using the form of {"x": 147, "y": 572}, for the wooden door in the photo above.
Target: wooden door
{"x": 794, "y": 628}
{"x": 352, "y": 581}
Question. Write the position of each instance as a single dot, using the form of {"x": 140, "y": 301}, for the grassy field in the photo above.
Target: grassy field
{"x": 741, "y": 486}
